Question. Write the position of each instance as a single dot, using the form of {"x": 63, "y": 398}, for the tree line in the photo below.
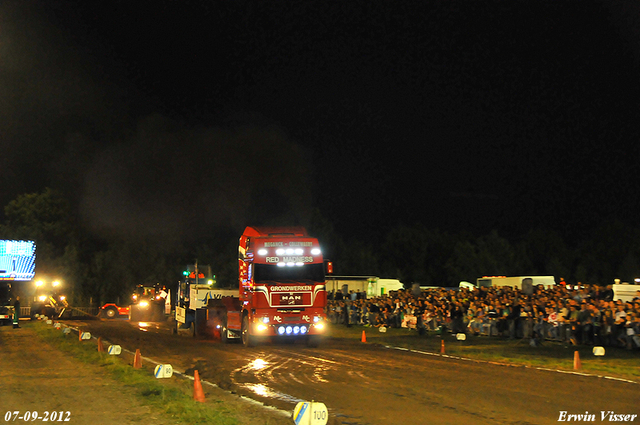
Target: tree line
{"x": 106, "y": 268}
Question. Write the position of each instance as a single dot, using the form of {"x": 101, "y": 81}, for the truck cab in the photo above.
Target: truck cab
{"x": 282, "y": 291}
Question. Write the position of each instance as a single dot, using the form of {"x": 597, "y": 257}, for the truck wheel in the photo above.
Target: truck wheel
{"x": 194, "y": 331}
{"x": 223, "y": 329}
{"x": 110, "y": 312}
{"x": 247, "y": 338}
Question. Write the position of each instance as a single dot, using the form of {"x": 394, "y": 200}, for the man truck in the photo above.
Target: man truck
{"x": 281, "y": 291}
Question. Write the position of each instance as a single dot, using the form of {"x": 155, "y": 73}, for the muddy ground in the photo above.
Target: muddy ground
{"x": 369, "y": 384}
{"x": 37, "y": 377}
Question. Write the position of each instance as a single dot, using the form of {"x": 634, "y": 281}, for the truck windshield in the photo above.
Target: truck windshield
{"x": 272, "y": 274}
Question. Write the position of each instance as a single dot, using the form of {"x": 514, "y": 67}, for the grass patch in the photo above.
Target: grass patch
{"x": 173, "y": 399}
{"x": 617, "y": 362}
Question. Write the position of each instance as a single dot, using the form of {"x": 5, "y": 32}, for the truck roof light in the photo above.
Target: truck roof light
{"x": 263, "y": 252}
{"x": 316, "y": 251}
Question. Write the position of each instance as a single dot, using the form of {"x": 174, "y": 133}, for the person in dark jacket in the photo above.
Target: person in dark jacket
{"x": 16, "y": 314}
{"x": 513, "y": 319}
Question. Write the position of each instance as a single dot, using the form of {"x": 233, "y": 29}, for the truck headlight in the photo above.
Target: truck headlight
{"x": 144, "y": 304}
{"x": 261, "y": 327}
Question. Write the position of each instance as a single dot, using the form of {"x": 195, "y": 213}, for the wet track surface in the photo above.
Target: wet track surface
{"x": 368, "y": 384}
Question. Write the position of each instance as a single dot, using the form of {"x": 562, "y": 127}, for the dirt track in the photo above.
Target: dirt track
{"x": 366, "y": 384}
{"x": 36, "y": 376}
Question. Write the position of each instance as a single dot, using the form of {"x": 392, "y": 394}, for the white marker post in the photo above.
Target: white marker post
{"x": 114, "y": 350}
{"x": 163, "y": 371}
{"x": 310, "y": 413}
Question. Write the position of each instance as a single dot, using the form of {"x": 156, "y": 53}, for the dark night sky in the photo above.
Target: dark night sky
{"x": 460, "y": 115}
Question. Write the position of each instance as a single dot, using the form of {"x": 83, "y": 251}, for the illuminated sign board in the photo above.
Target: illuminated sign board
{"x": 17, "y": 260}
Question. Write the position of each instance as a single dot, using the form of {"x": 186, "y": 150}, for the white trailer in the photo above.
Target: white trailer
{"x": 516, "y": 282}
{"x": 372, "y": 285}
{"x": 625, "y": 292}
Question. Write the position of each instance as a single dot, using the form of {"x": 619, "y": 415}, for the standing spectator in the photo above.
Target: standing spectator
{"x": 345, "y": 314}
{"x": 608, "y": 327}
{"x": 620, "y": 322}
{"x": 596, "y": 321}
{"x": 573, "y": 324}
{"x": 16, "y": 312}
{"x": 457, "y": 315}
{"x": 513, "y": 319}
{"x": 632, "y": 327}
{"x": 584, "y": 325}
{"x": 553, "y": 325}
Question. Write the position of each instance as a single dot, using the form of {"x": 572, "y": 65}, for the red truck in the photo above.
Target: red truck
{"x": 282, "y": 291}
{"x": 282, "y": 286}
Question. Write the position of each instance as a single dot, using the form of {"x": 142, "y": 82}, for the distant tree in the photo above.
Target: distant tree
{"x": 605, "y": 250}
{"x": 47, "y": 219}
{"x": 547, "y": 253}
{"x": 628, "y": 269}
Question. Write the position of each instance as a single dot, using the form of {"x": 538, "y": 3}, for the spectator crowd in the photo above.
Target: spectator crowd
{"x": 586, "y": 315}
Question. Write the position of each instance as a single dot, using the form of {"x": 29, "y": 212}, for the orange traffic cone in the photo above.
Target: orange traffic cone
{"x": 137, "y": 359}
{"x": 100, "y": 345}
{"x": 198, "y": 394}
{"x": 79, "y": 335}
{"x": 577, "y": 364}
{"x": 442, "y": 346}
{"x": 364, "y": 337}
